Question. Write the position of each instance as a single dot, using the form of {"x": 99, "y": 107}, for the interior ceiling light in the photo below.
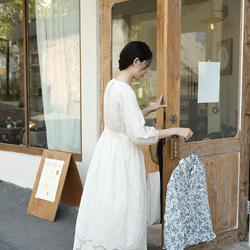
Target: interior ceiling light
{"x": 212, "y": 20}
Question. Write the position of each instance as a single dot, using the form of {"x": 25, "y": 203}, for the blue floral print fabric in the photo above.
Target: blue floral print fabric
{"x": 187, "y": 214}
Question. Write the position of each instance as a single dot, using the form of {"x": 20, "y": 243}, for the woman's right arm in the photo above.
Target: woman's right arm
{"x": 186, "y": 133}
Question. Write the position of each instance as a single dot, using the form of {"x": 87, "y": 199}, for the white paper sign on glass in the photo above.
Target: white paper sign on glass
{"x": 49, "y": 180}
{"x": 209, "y": 82}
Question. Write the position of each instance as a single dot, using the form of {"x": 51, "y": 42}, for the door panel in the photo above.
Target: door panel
{"x": 222, "y": 183}
{"x": 217, "y": 138}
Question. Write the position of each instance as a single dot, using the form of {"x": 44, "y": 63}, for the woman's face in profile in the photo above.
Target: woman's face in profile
{"x": 141, "y": 68}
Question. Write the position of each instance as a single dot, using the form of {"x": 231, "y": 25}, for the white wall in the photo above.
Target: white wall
{"x": 90, "y": 81}
{"x": 21, "y": 169}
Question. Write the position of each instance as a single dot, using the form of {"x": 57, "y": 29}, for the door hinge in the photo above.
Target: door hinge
{"x": 248, "y": 207}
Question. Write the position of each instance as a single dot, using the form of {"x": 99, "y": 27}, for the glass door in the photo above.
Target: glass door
{"x": 210, "y": 48}
{"x": 122, "y": 22}
{"x": 202, "y": 68}
{"x": 130, "y": 21}
{"x": 197, "y": 48}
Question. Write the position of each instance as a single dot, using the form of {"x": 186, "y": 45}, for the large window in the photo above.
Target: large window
{"x": 40, "y": 74}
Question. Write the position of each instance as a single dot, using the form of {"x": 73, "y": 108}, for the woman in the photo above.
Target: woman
{"x": 112, "y": 213}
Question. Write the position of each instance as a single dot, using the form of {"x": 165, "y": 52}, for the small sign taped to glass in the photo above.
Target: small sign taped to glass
{"x": 209, "y": 82}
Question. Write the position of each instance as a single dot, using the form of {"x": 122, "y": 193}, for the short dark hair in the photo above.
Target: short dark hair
{"x": 133, "y": 50}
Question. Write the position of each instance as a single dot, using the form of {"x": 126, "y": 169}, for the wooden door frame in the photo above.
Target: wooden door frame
{"x": 105, "y": 7}
{"x": 245, "y": 126}
{"x": 168, "y": 74}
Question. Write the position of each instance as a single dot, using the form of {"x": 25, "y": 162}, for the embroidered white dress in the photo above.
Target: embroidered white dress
{"x": 112, "y": 213}
{"x": 187, "y": 214}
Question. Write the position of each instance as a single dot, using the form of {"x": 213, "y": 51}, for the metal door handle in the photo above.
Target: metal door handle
{"x": 174, "y": 147}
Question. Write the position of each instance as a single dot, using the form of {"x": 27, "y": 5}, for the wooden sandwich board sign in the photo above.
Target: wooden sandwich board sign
{"x": 57, "y": 178}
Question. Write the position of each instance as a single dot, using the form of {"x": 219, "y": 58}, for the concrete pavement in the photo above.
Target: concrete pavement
{"x": 22, "y": 231}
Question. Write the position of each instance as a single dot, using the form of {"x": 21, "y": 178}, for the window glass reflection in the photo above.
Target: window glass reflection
{"x": 210, "y": 33}
{"x": 137, "y": 21}
{"x": 11, "y": 72}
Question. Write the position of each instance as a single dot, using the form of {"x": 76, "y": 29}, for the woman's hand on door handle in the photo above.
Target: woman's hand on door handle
{"x": 186, "y": 133}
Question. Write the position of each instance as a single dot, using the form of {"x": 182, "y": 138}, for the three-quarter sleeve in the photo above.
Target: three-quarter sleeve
{"x": 134, "y": 120}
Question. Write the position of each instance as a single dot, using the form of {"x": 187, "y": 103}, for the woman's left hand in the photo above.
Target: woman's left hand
{"x": 159, "y": 104}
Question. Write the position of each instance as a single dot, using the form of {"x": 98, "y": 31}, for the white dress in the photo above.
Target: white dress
{"x": 113, "y": 213}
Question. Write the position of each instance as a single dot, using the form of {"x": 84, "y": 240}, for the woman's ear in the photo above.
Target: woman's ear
{"x": 136, "y": 61}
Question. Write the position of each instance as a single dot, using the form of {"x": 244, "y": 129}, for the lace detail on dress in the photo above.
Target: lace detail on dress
{"x": 87, "y": 245}
{"x": 80, "y": 244}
